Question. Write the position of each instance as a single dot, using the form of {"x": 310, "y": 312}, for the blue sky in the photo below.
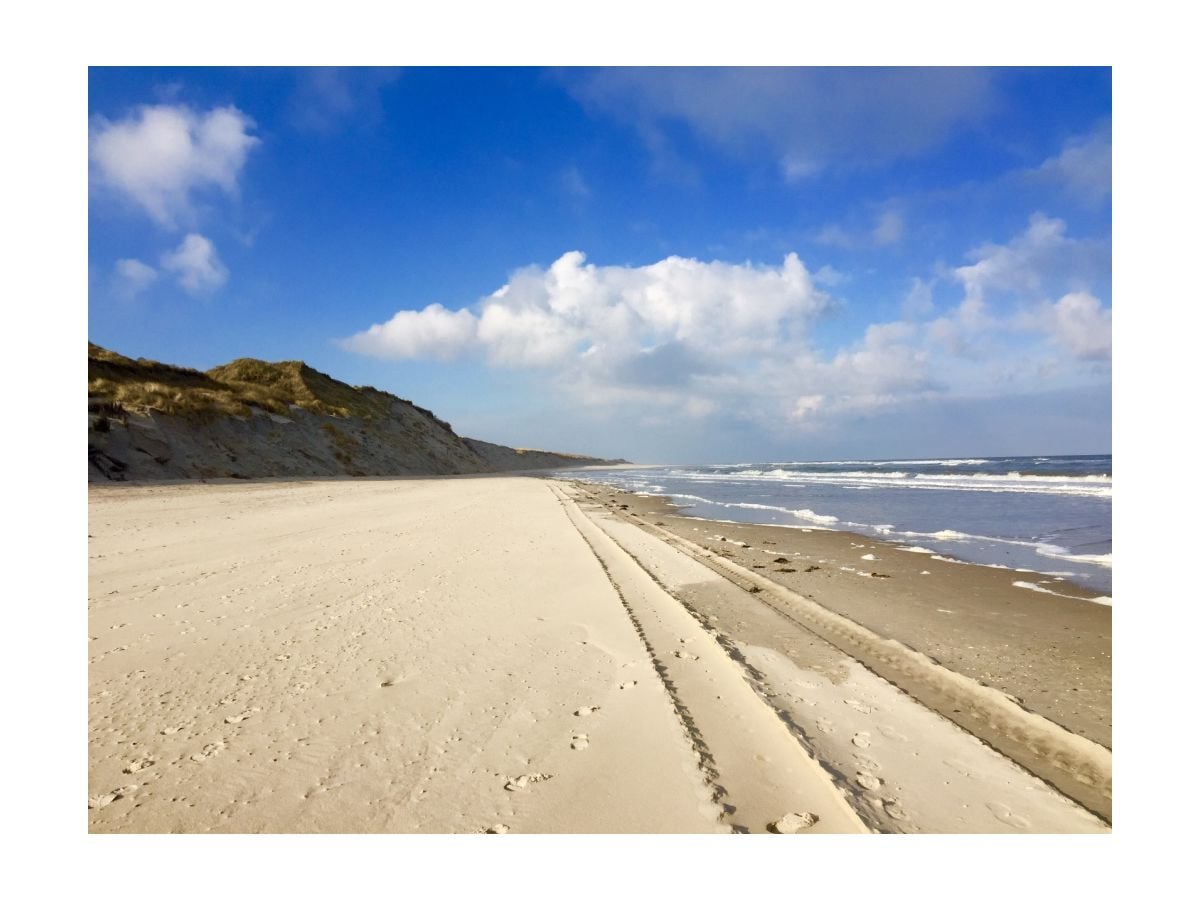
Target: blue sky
{"x": 670, "y": 265}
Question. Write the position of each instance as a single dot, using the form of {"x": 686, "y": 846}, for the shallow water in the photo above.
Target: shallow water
{"x": 1049, "y": 514}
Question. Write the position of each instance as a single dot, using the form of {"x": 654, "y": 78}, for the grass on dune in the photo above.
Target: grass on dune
{"x": 117, "y": 383}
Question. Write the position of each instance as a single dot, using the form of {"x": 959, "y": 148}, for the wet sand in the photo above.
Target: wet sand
{"x": 1052, "y": 654}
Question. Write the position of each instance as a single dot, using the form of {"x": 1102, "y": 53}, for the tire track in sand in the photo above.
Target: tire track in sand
{"x": 759, "y": 774}
{"x": 1079, "y": 768}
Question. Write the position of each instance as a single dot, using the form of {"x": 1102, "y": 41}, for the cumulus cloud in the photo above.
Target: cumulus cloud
{"x": 808, "y": 118}
{"x": 679, "y": 340}
{"x": 1037, "y": 258}
{"x": 676, "y": 338}
{"x": 196, "y": 265}
{"x": 431, "y": 332}
{"x": 161, "y": 157}
{"x": 1006, "y": 288}
{"x": 1078, "y": 323}
{"x": 133, "y": 276}
{"x": 576, "y": 312}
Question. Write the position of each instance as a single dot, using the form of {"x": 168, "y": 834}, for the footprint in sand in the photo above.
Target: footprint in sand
{"x": 242, "y": 716}
{"x": 101, "y": 800}
{"x": 209, "y": 751}
{"x": 683, "y": 654}
{"x": 861, "y": 707}
{"x": 1007, "y": 816}
{"x": 825, "y": 725}
{"x": 579, "y": 742}
{"x": 497, "y": 829}
{"x": 892, "y": 807}
{"x": 521, "y": 782}
{"x": 138, "y": 764}
{"x": 586, "y": 711}
{"x": 794, "y": 823}
{"x": 627, "y": 685}
{"x": 867, "y": 781}
{"x": 959, "y": 766}
{"x": 861, "y": 739}
{"x": 867, "y": 763}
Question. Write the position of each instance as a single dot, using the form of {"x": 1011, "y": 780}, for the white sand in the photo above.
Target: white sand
{"x": 407, "y": 656}
{"x": 484, "y": 654}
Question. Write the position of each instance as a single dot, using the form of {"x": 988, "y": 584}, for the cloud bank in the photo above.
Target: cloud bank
{"x": 684, "y": 339}
{"x": 575, "y": 313}
{"x": 677, "y": 337}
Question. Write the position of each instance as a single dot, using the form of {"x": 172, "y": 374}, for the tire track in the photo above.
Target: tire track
{"x": 1079, "y": 768}
{"x": 757, "y": 770}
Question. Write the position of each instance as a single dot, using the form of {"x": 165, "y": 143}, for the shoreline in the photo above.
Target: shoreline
{"x": 967, "y": 616}
{"x": 1046, "y": 581}
{"x": 504, "y": 654}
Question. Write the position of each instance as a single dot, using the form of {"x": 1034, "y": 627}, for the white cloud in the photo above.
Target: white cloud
{"x": 1077, "y": 322}
{"x": 575, "y": 313}
{"x": 1006, "y": 287}
{"x": 829, "y": 276}
{"x": 196, "y": 265}
{"x": 161, "y": 156}
{"x": 807, "y": 405}
{"x": 133, "y": 276}
{"x": 919, "y": 299}
{"x": 682, "y": 340}
{"x": 1037, "y": 258}
{"x": 431, "y": 332}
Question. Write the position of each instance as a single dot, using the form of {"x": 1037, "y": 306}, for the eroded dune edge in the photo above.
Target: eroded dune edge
{"x": 507, "y": 654}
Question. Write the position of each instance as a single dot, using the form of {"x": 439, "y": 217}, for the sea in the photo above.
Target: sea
{"x": 1044, "y": 514}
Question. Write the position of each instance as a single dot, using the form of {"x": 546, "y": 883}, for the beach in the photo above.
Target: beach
{"x": 516, "y": 654}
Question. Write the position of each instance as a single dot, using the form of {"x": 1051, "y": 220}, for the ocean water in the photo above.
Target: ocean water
{"x": 1047, "y": 514}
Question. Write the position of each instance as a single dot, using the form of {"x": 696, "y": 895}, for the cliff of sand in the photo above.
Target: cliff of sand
{"x": 150, "y": 421}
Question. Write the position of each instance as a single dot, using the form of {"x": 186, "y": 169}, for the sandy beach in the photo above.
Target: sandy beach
{"x": 516, "y": 654}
